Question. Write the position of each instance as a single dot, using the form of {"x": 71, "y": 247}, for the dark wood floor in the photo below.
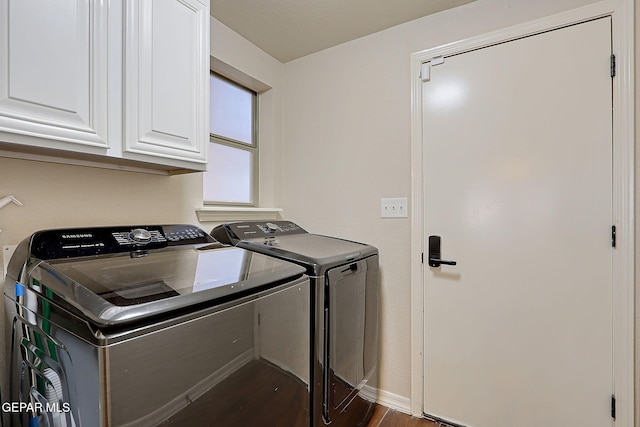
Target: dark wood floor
{"x": 260, "y": 393}
{"x": 385, "y": 417}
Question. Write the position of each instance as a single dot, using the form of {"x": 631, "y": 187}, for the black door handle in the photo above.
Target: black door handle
{"x": 435, "y": 253}
{"x": 436, "y": 262}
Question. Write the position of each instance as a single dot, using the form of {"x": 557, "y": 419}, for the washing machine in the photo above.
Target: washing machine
{"x": 344, "y": 291}
{"x": 155, "y": 325}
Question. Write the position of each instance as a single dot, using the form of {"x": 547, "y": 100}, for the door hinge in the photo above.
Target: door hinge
{"x": 613, "y": 236}
{"x": 422, "y": 257}
{"x": 613, "y": 406}
{"x": 612, "y": 60}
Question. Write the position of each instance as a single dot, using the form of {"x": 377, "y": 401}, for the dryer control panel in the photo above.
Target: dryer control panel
{"x": 233, "y": 232}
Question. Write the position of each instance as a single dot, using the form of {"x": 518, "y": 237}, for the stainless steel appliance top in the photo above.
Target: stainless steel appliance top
{"x": 111, "y": 276}
{"x": 288, "y": 241}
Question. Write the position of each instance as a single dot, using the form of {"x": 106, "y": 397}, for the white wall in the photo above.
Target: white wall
{"x": 347, "y": 113}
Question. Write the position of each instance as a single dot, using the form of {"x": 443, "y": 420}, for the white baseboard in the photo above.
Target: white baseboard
{"x": 393, "y": 401}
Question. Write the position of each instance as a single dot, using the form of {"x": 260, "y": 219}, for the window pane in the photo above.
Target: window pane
{"x": 231, "y": 110}
{"x": 229, "y": 177}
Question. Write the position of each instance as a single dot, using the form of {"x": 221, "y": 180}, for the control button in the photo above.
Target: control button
{"x": 140, "y": 235}
{"x": 271, "y": 227}
{"x": 185, "y": 234}
{"x": 121, "y": 238}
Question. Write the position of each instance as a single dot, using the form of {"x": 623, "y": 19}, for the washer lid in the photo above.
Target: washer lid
{"x": 115, "y": 289}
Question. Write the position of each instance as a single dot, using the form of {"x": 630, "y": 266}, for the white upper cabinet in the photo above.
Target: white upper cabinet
{"x": 166, "y": 79}
{"x": 123, "y": 82}
{"x": 53, "y": 74}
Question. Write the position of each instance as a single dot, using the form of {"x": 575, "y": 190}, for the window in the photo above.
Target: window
{"x": 232, "y": 175}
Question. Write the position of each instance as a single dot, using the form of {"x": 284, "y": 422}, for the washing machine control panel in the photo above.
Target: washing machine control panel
{"x": 231, "y": 233}
{"x": 68, "y": 243}
{"x": 138, "y": 237}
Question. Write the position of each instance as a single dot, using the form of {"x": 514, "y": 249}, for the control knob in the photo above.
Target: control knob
{"x": 140, "y": 235}
{"x": 271, "y": 227}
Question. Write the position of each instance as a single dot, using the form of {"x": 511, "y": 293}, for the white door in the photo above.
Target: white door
{"x": 518, "y": 165}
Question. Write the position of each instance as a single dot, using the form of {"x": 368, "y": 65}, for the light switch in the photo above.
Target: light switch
{"x": 394, "y": 208}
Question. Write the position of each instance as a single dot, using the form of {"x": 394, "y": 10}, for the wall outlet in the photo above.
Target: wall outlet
{"x": 394, "y": 208}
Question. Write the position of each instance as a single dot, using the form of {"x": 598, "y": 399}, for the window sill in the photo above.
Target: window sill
{"x": 230, "y": 213}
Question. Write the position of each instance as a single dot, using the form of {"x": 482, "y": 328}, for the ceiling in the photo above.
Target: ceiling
{"x": 290, "y": 29}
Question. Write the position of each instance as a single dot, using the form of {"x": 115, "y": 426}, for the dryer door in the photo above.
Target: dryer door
{"x": 351, "y": 341}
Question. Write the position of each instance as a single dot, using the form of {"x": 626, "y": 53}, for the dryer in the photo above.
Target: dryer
{"x": 344, "y": 281}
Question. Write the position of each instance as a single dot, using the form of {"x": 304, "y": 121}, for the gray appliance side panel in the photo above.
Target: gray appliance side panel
{"x": 212, "y": 367}
{"x": 177, "y": 364}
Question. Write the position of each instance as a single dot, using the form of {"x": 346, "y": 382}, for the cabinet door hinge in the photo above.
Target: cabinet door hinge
{"x": 613, "y": 236}
{"x": 613, "y": 406}
{"x": 422, "y": 257}
{"x": 612, "y": 61}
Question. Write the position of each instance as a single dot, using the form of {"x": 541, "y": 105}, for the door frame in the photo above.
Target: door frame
{"x": 622, "y": 15}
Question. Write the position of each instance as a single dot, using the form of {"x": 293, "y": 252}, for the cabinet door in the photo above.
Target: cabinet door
{"x": 166, "y": 83}
{"x": 53, "y": 74}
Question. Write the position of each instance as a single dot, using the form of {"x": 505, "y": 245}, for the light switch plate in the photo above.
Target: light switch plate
{"x": 394, "y": 208}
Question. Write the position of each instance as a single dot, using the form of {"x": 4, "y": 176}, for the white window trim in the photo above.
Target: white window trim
{"x": 246, "y": 146}
{"x": 229, "y": 213}
{"x": 218, "y": 213}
